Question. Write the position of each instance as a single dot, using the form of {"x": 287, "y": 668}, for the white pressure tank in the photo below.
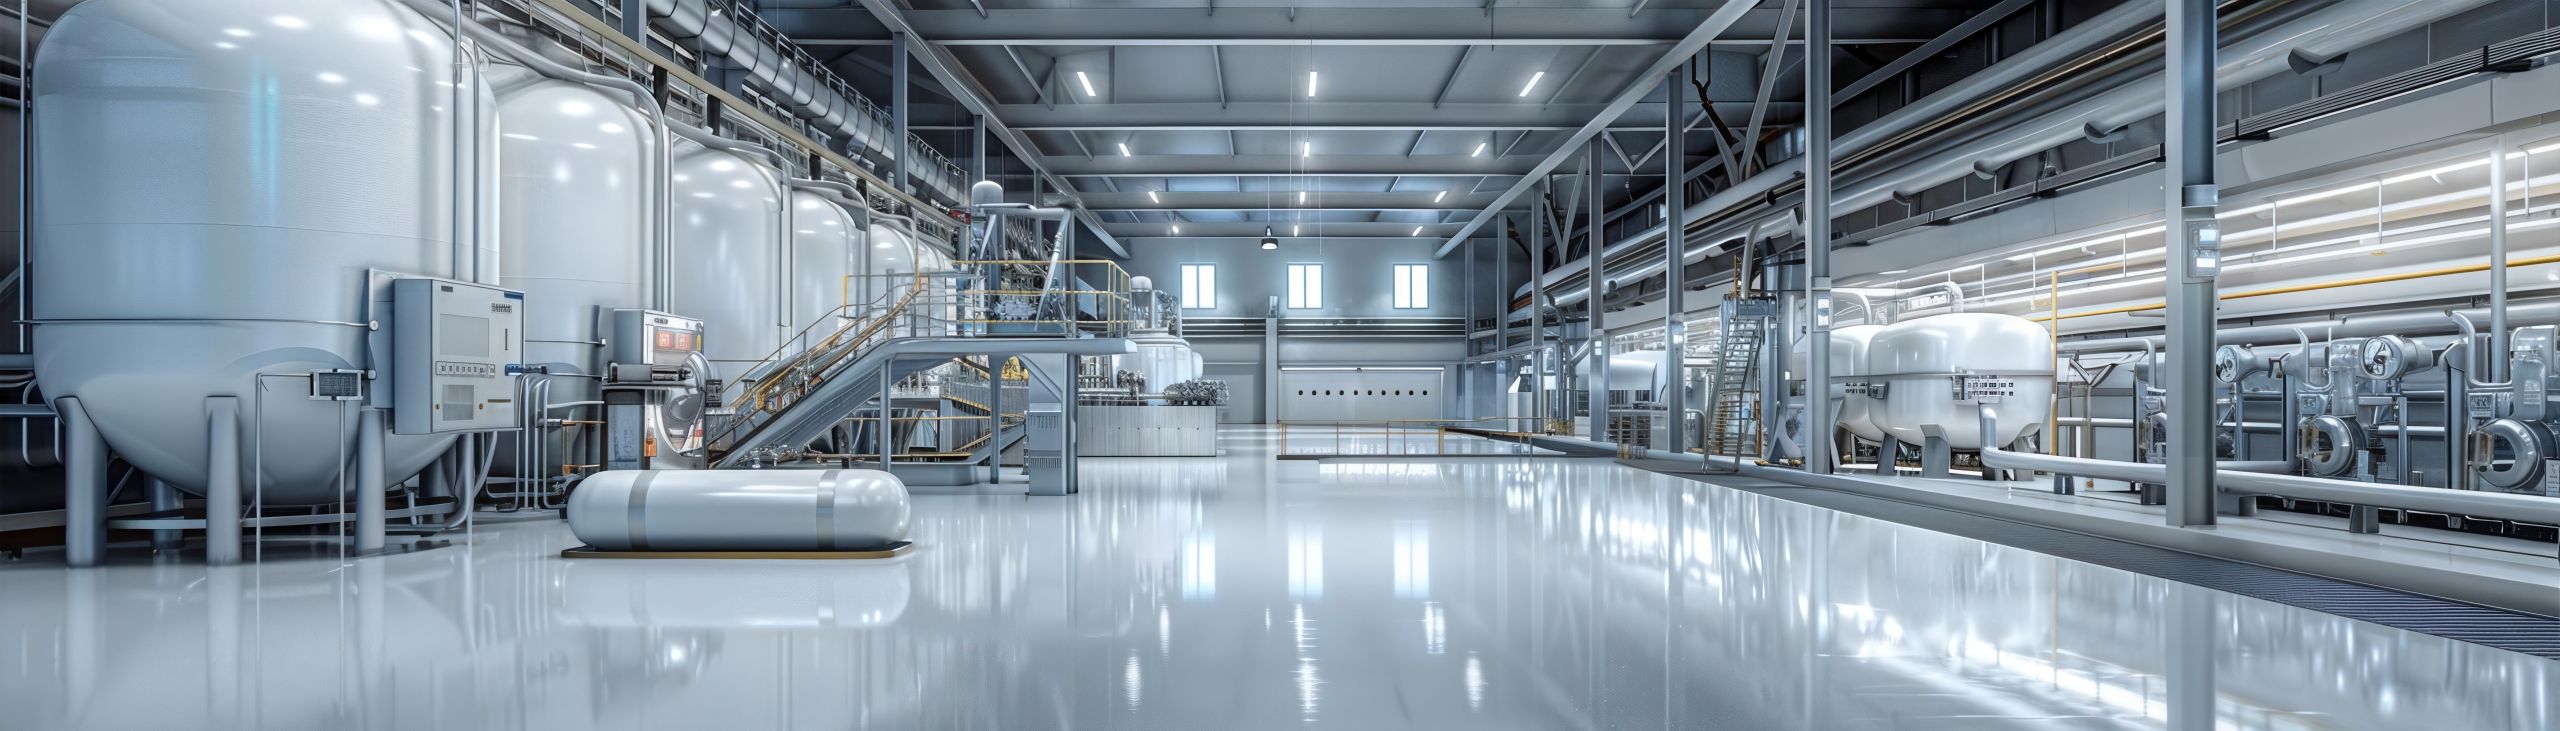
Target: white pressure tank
{"x": 739, "y": 510}
{"x": 576, "y": 167}
{"x": 826, "y": 251}
{"x": 1849, "y": 347}
{"x": 1917, "y": 359}
{"x": 726, "y": 262}
{"x": 215, "y": 179}
{"x": 889, "y": 271}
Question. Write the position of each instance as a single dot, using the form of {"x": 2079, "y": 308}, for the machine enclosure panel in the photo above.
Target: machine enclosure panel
{"x": 456, "y": 350}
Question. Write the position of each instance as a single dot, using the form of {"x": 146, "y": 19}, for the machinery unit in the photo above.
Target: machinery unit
{"x": 654, "y": 391}
{"x": 456, "y": 350}
{"x": 1937, "y": 369}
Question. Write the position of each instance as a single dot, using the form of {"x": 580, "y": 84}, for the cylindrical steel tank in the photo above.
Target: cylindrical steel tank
{"x": 577, "y": 168}
{"x": 726, "y": 265}
{"x": 826, "y": 249}
{"x": 739, "y": 510}
{"x": 888, "y": 272}
{"x": 1918, "y": 359}
{"x": 1848, "y": 363}
{"x": 1162, "y": 358}
{"x": 214, "y": 180}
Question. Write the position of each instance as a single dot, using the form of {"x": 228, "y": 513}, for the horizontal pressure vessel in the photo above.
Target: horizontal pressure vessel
{"x": 739, "y": 510}
{"x": 1918, "y": 360}
{"x": 1848, "y": 365}
{"x": 216, "y": 180}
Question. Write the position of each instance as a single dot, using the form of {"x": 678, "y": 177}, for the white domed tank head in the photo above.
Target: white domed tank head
{"x": 219, "y": 178}
{"x": 985, "y": 193}
{"x": 1920, "y": 359}
{"x": 1142, "y": 283}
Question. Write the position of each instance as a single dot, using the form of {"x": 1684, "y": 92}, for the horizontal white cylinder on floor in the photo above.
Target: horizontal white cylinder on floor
{"x": 739, "y": 510}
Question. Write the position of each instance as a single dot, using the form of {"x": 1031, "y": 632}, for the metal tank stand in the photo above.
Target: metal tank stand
{"x": 222, "y": 481}
{"x": 1889, "y": 456}
{"x": 1936, "y": 456}
{"x": 368, "y": 482}
{"x": 163, "y": 497}
{"x": 84, "y": 528}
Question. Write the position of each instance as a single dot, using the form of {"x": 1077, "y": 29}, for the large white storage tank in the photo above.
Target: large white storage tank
{"x": 1916, "y": 358}
{"x": 1849, "y": 346}
{"x": 826, "y": 251}
{"x": 576, "y": 168}
{"x": 213, "y": 180}
{"x": 726, "y": 267}
{"x": 889, "y": 270}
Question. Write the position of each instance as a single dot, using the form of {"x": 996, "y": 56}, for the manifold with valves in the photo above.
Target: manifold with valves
{"x": 2512, "y": 451}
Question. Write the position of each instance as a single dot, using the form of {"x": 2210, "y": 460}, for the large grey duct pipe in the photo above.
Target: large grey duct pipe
{"x": 813, "y": 94}
{"x": 2325, "y": 32}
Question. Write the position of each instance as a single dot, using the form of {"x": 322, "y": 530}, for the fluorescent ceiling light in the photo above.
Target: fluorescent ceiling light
{"x": 1479, "y": 149}
{"x": 1087, "y": 81}
{"x": 1417, "y": 230}
{"x": 1435, "y": 198}
{"x": 1306, "y": 149}
{"x": 1293, "y": 229}
{"x": 1177, "y": 228}
{"x": 1311, "y": 84}
{"x": 1302, "y": 196}
{"x": 1533, "y": 82}
{"x": 1124, "y": 149}
{"x": 1151, "y": 197}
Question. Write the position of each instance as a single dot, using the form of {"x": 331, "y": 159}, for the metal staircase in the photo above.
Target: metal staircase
{"x": 1733, "y": 426}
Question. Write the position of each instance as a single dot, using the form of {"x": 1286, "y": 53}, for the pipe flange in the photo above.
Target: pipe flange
{"x": 2329, "y": 445}
{"x": 2525, "y": 445}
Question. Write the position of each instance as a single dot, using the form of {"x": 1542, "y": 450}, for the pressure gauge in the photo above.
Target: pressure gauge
{"x": 2234, "y": 363}
{"x": 2392, "y": 356}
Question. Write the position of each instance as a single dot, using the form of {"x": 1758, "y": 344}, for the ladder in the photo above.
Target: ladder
{"x": 1733, "y": 408}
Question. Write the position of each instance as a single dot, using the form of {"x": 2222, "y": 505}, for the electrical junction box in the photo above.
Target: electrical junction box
{"x": 457, "y": 349}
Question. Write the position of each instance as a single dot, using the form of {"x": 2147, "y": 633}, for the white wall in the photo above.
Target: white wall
{"x": 1361, "y": 395}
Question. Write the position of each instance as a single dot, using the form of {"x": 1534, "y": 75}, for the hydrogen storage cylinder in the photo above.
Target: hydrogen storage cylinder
{"x": 739, "y": 510}
{"x": 1848, "y": 364}
{"x": 889, "y": 271}
{"x": 825, "y": 244}
{"x": 1918, "y": 361}
{"x": 726, "y": 267}
{"x": 213, "y": 180}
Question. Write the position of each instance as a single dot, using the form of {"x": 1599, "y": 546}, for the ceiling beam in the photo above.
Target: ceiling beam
{"x": 1302, "y": 26}
{"x": 1343, "y": 116}
{"x": 939, "y": 62}
{"x": 1715, "y": 23}
{"x": 1250, "y": 232}
{"x": 1284, "y": 166}
{"x": 1288, "y": 200}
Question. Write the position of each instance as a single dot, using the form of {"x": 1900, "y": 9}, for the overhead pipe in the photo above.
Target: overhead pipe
{"x": 2359, "y": 326}
{"x": 2328, "y": 31}
{"x": 816, "y": 96}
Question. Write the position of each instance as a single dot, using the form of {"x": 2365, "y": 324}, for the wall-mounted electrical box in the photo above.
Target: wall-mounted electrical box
{"x": 456, "y": 351}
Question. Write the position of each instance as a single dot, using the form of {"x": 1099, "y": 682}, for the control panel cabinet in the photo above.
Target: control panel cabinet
{"x": 457, "y": 349}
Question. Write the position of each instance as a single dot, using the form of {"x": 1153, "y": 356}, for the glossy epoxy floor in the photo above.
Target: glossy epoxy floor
{"x": 1478, "y": 592}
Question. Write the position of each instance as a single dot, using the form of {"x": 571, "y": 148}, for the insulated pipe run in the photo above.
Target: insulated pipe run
{"x": 2361, "y": 326}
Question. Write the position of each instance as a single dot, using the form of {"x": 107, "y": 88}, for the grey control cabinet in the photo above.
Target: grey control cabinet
{"x": 457, "y": 349}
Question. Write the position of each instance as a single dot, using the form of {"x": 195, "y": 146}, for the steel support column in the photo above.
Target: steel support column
{"x": 1502, "y": 295}
{"x": 898, "y": 147}
{"x": 366, "y": 479}
{"x": 1537, "y": 317}
{"x": 1597, "y": 352}
{"x": 2195, "y": 243}
{"x": 84, "y": 473}
{"x": 1817, "y": 237}
{"x": 1675, "y": 277}
{"x": 978, "y": 152}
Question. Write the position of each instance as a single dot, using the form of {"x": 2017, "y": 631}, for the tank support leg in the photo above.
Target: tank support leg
{"x": 1888, "y": 454}
{"x": 165, "y": 498}
{"x": 84, "y": 531}
{"x": 368, "y": 482}
{"x": 222, "y": 481}
{"x": 1935, "y": 457}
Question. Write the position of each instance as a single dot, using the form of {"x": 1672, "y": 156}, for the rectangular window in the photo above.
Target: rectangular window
{"x": 1199, "y": 286}
{"x": 1413, "y": 286}
{"x": 1306, "y": 286}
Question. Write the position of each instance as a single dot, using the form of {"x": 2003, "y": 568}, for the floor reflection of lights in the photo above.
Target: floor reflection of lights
{"x": 1491, "y": 592}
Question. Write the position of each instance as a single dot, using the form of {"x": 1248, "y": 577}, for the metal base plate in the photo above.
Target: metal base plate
{"x": 894, "y": 550}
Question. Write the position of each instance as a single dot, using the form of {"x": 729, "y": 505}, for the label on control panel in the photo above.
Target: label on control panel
{"x": 449, "y": 368}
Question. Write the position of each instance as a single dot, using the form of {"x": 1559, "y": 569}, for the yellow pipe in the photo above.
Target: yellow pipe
{"x": 2296, "y": 288}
